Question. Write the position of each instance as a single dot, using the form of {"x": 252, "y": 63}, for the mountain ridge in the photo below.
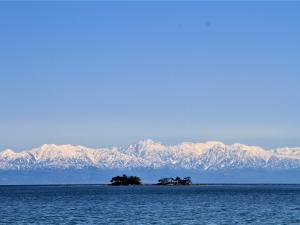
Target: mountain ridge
{"x": 211, "y": 155}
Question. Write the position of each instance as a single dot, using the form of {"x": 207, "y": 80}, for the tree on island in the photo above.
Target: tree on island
{"x": 176, "y": 181}
{"x": 125, "y": 180}
{"x": 166, "y": 181}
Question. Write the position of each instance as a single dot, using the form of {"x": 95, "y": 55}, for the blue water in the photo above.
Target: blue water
{"x": 92, "y": 204}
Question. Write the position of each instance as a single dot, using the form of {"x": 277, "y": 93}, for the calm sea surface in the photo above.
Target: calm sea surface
{"x": 91, "y": 204}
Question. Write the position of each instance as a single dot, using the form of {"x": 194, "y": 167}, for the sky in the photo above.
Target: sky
{"x": 111, "y": 74}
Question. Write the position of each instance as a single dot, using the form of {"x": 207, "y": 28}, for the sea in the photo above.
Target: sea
{"x": 103, "y": 204}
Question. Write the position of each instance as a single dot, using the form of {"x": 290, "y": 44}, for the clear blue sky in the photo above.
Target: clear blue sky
{"x": 102, "y": 74}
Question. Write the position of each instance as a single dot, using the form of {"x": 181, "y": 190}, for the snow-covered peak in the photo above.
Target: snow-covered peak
{"x": 50, "y": 152}
{"x": 149, "y": 144}
{"x": 7, "y": 153}
{"x": 253, "y": 150}
{"x": 288, "y": 152}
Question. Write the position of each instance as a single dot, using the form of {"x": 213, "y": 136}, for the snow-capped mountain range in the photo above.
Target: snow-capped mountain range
{"x": 209, "y": 156}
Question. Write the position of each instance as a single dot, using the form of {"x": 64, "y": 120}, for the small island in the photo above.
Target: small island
{"x": 125, "y": 180}
{"x": 175, "y": 181}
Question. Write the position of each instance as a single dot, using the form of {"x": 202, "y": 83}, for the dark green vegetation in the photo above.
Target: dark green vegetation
{"x": 125, "y": 180}
{"x": 176, "y": 181}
